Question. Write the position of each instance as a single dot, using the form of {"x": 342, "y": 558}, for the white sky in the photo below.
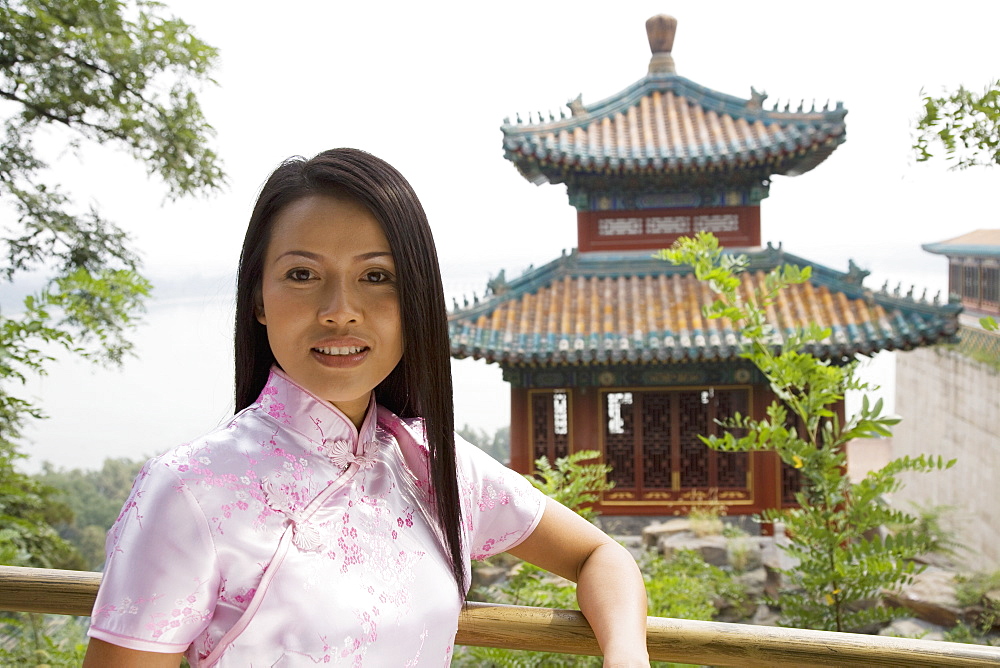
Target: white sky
{"x": 427, "y": 85}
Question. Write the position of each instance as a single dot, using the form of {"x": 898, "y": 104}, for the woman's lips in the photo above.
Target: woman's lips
{"x": 340, "y": 356}
{"x": 340, "y": 350}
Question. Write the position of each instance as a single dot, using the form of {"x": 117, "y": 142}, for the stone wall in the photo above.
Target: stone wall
{"x": 950, "y": 406}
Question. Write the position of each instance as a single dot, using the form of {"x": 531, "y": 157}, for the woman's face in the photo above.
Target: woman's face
{"x": 329, "y": 300}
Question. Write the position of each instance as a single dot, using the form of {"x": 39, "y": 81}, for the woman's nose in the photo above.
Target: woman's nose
{"x": 340, "y": 305}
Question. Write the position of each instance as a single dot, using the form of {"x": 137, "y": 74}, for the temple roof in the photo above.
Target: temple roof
{"x": 667, "y": 124}
{"x": 597, "y": 308}
{"x": 981, "y": 243}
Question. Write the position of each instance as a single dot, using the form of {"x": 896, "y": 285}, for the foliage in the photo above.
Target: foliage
{"x": 572, "y": 482}
{"x": 965, "y": 124}
{"x": 989, "y": 323}
{"x": 962, "y": 632}
{"x": 43, "y": 640}
{"x": 706, "y": 520}
{"x": 107, "y": 72}
{"x": 28, "y": 511}
{"x": 94, "y": 497}
{"x": 686, "y": 587}
{"x": 496, "y": 446}
{"x": 933, "y": 523}
{"x": 973, "y": 588}
{"x": 844, "y": 561}
{"x": 979, "y": 594}
{"x": 683, "y": 587}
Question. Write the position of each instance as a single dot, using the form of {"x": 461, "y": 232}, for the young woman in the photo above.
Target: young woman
{"x": 333, "y": 519}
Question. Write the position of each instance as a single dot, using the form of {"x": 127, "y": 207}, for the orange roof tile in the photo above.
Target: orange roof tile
{"x": 627, "y": 309}
{"x": 666, "y": 123}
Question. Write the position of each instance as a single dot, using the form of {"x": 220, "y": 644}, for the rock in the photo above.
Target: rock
{"x": 651, "y": 534}
{"x": 711, "y": 548}
{"x": 911, "y": 627}
{"x": 633, "y": 544}
{"x": 771, "y": 554}
{"x": 765, "y": 616}
{"x": 775, "y": 560}
{"x": 484, "y": 576}
{"x": 754, "y": 582}
{"x": 930, "y": 597}
{"x": 772, "y": 583}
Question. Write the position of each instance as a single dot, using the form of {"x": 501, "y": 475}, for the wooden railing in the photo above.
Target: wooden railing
{"x": 566, "y": 631}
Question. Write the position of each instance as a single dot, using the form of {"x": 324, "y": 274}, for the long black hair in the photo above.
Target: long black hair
{"x": 420, "y": 385}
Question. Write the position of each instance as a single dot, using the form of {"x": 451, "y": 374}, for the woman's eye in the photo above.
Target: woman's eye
{"x": 377, "y": 276}
{"x": 300, "y": 274}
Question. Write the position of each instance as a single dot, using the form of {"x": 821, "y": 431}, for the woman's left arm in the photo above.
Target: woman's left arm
{"x": 610, "y": 589}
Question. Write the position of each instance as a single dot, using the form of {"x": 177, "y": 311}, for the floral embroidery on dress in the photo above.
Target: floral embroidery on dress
{"x": 272, "y": 405}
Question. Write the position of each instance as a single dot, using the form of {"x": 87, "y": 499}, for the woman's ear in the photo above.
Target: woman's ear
{"x": 258, "y": 307}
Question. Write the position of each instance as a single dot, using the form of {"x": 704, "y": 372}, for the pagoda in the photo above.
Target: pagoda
{"x": 973, "y": 269}
{"x": 606, "y": 348}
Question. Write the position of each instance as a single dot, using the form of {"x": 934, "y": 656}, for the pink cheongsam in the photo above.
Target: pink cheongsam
{"x": 290, "y": 538}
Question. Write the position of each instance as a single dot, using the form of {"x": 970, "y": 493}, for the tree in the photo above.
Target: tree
{"x": 28, "y": 513}
{"x": 496, "y": 446}
{"x": 95, "y": 498}
{"x": 112, "y": 72}
{"x": 968, "y": 127}
{"x": 844, "y": 561}
{"x": 965, "y": 124}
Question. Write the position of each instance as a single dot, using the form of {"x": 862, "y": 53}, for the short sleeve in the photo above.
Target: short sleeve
{"x": 161, "y": 578}
{"x": 501, "y": 508}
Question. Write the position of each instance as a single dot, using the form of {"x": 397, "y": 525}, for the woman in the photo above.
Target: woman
{"x": 333, "y": 519}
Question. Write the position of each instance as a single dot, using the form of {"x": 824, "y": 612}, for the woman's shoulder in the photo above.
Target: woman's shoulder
{"x": 231, "y": 447}
{"x": 411, "y": 435}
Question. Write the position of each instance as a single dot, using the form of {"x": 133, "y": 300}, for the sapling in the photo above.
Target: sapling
{"x": 845, "y": 559}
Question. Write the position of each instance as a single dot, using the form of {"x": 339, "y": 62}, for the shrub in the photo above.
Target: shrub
{"x": 572, "y": 482}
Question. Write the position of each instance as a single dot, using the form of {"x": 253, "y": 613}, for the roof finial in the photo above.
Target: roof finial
{"x": 660, "y": 30}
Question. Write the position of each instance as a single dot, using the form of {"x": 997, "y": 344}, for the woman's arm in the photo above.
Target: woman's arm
{"x": 610, "y": 589}
{"x": 102, "y": 654}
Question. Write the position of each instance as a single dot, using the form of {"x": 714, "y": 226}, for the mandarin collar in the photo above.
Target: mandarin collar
{"x": 319, "y": 421}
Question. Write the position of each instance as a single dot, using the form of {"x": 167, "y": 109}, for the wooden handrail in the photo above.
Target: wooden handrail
{"x": 566, "y": 631}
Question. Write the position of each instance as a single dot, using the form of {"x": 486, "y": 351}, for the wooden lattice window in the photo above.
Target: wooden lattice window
{"x": 651, "y": 440}
{"x": 991, "y": 286}
{"x": 955, "y": 278}
{"x": 792, "y": 479}
{"x": 970, "y": 289}
{"x": 550, "y": 420}
{"x": 791, "y": 483}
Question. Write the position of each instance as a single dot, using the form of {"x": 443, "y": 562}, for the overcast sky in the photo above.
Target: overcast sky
{"x": 427, "y": 85}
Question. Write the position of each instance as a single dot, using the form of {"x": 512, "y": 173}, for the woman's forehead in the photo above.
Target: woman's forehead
{"x": 320, "y": 223}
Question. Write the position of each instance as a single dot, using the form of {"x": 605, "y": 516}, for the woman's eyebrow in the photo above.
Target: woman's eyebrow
{"x": 373, "y": 254}
{"x": 317, "y": 257}
{"x": 301, "y": 253}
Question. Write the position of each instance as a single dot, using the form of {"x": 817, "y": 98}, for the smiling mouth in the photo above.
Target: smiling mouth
{"x": 346, "y": 350}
